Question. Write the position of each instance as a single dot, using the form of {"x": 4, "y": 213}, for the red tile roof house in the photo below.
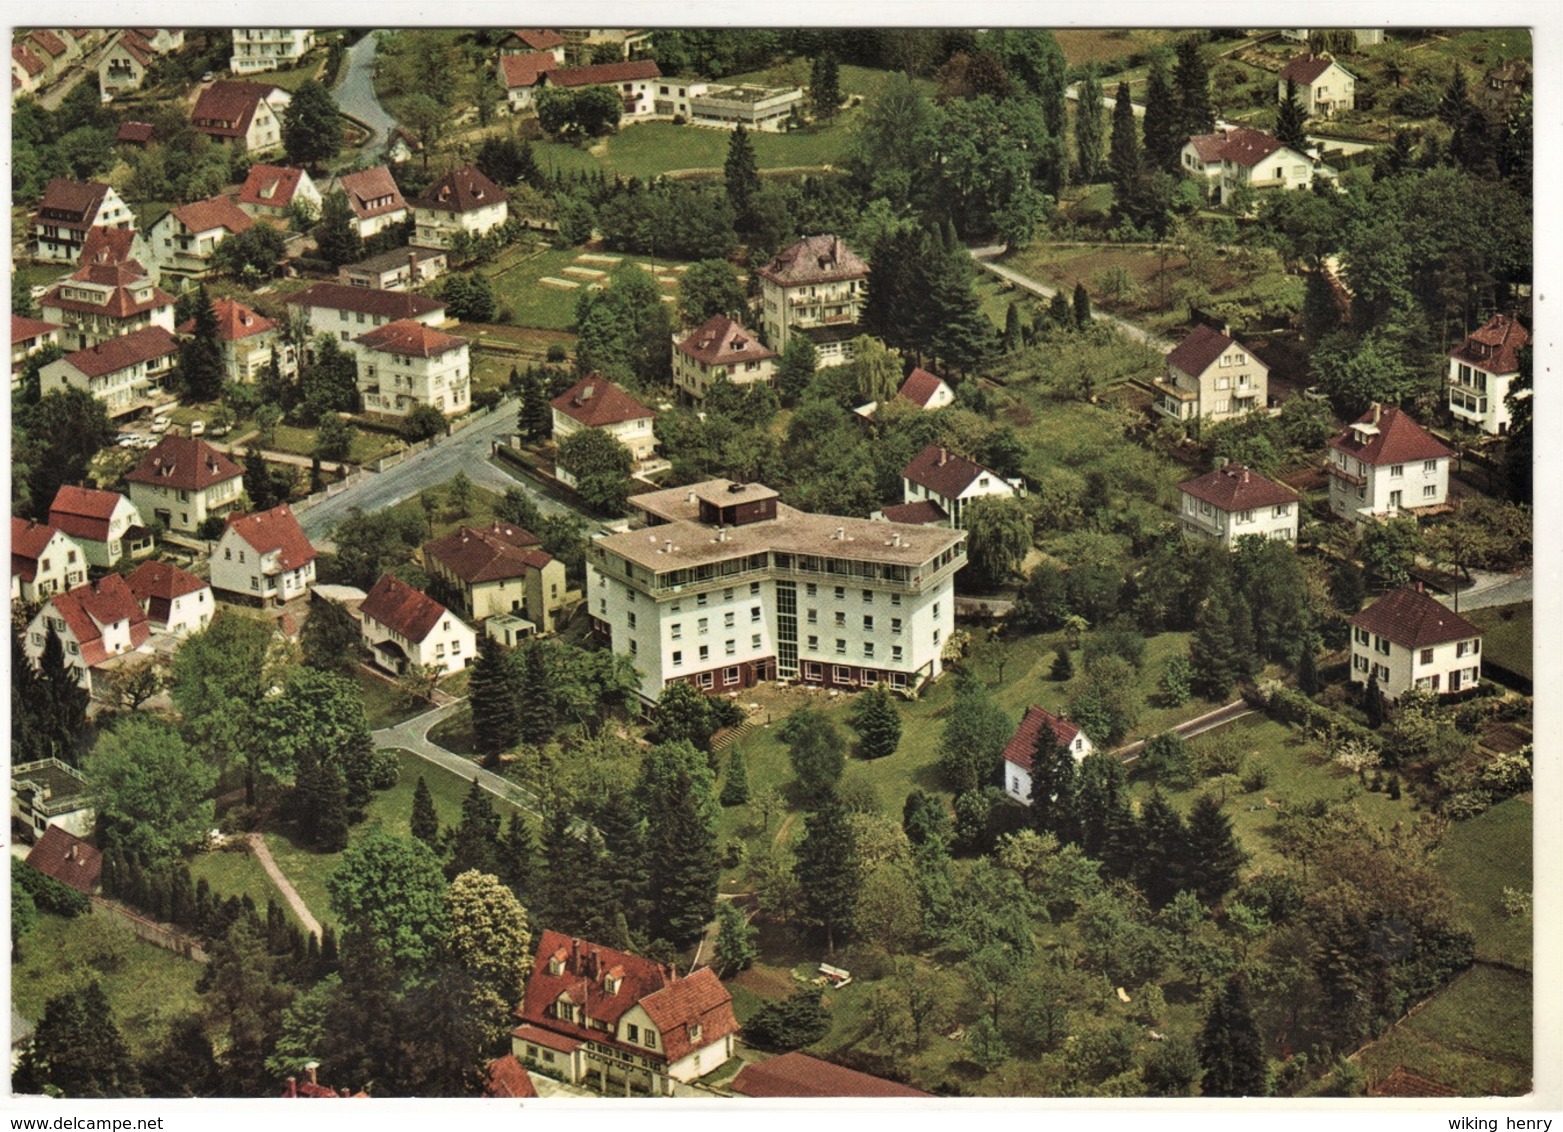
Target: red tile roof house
{"x": 28, "y": 336}
{"x": 498, "y": 569}
{"x": 524, "y": 41}
{"x": 1211, "y": 376}
{"x": 271, "y": 190}
{"x": 184, "y": 239}
{"x": 815, "y": 287}
{"x": 310, "y": 1087}
{"x": 925, "y": 390}
{"x": 68, "y": 210}
{"x": 718, "y": 349}
{"x": 263, "y": 558}
{"x": 1481, "y": 370}
{"x": 44, "y": 560}
{"x": 95, "y": 622}
{"x": 619, "y": 1022}
{"x": 123, "y": 67}
{"x": 109, "y": 295}
{"x": 405, "y": 364}
{"x": 939, "y": 476}
{"x": 403, "y": 626}
{"x": 27, "y": 70}
{"x": 175, "y": 600}
{"x": 138, "y": 134}
{"x": 1235, "y": 502}
{"x": 1407, "y": 639}
{"x": 463, "y": 200}
{"x": 1022, "y": 747}
{"x": 1320, "y": 85}
{"x": 595, "y": 402}
{"x": 507, "y": 1079}
{"x": 50, "y": 794}
{"x": 125, "y": 373}
{"x": 374, "y": 198}
{"x": 104, "y": 524}
{"x": 634, "y": 80}
{"x": 250, "y": 342}
{"x": 1235, "y": 157}
{"x": 1385, "y": 463}
{"x": 234, "y": 112}
{"x": 68, "y": 859}
{"x": 796, "y": 1074}
{"x": 182, "y": 481}
{"x": 345, "y": 313}
{"x": 521, "y": 74}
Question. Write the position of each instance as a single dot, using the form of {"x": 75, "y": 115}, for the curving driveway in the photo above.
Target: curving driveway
{"x": 355, "y": 94}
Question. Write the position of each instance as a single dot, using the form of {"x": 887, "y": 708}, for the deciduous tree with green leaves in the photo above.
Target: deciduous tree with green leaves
{"x": 311, "y": 134}
{"x": 389, "y": 891}
{"x": 816, "y": 750}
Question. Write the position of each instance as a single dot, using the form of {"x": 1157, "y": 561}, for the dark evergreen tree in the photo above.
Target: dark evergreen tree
{"x": 1222, "y": 650}
{"x": 183, "y": 1064}
{"x": 1082, "y": 306}
{"x": 742, "y": 173}
{"x": 1014, "y": 334}
{"x": 626, "y": 872}
{"x": 1059, "y": 312}
{"x": 257, "y": 481}
{"x": 330, "y": 640}
{"x": 1373, "y": 703}
{"x": 475, "y": 844}
{"x": 538, "y": 717}
{"x": 518, "y": 857}
{"x": 1063, "y": 667}
{"x": 1162, "y": 866}
{"x": 536, "y": 420}
{"x": 684, "y": 866}
{"x": 336, "y": 235}
{"x": 796, "y": 368}
{"x": 1214, "y": 856}
{"x": 1123, "y": 156}
{"x": 1457, "y": 98}
{"x": 1088, "y": 128}
{"x": 735, "y": 785}
{"x": 828, "y": 870}
{"x": 494, "y": 692}
{"x": 825, "y": 86}
{"x": 77, "y": 1051}
{"x": 1308, "y": 669}
{"x": 319, "y": 802}
{"x": 571, "y": 896}
{"x": 1291, "y": 120}
{"x": 311, "y": 133}
{"x": 1230, "y": 1051}
{"x": 1052, "y": 786}
{"x": 1191, "y": 78}
{"x": 1098, "y": 796}
{"x": 925, "y": 817}
{"x": 201, "y": 370}
{"x": 1161, "y": 121}
{"x": 62, "y": 703}
{"x": 877, "y": 722}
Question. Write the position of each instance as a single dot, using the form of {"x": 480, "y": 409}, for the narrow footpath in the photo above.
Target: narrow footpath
{"x": 984, "y": 257}
{"x": 1200, "y": 724}
{"x": 284, "y": 885}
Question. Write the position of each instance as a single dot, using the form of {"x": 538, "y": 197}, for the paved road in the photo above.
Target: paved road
{"x": 1489, "y": 589}
{"x": 467, "y": 451}
{"x": 284, "y": 885}
{"x": 355, "y": 95}
{"x": 1237, "y": 709}
{"x": 984, "y": 256}
{"x": 413, "y": 735}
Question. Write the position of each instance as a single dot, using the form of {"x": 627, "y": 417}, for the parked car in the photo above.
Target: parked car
{"x": 160, "y": 424}
{"x": 197, "y": 428}
{"x": 208, "y": 77}
{"x": 130, "y": 440}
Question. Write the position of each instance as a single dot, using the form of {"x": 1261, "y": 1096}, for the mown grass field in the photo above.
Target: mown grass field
{"x": 515, "y": 279}
{"x": 237, "y": 872}
{"x": 368, "y": 446}
{"x": 1510, "y": 639}
{"x": 1479, "y": 858}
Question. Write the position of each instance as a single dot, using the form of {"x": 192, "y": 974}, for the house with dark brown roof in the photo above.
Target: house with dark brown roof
{"x": 233, "y": 112}
{"x": 175, "y": 600}
{"x": 374, "y": 198}
{"x": 498, "y": 569}
{"x": 68, "y": 859}
{"x": 521, "y": 74}
{"x": 596, "y": 402}
{"x": 402, "y": 626}
{"x": 269, "y": 191}
{"x": 633, "y": 80}
{"x": 104, "y": 524}
{"x": 125, "y": 373}
{"x": 28, "y": 336}
{"x": 397, "y": 270}
{"x": 1407, "y": 639}
{"x": 923, "y": 513}
{"x": 137, "y": 134}
{"x": 28, "y": 72}
{"x": 1320, "y": 85}
{"x": 1384, "y": 463}
{"x": 263, "y": 558}
{"x": 95, "y": 622}
{"x": 1211, "y": 376}
{"x": 1482, "y": 369}
{"x": 814, "y": 287}
{"x": 1236, "y": 502}
{"x": 524, "y": 41}
{"x": 250, "y": 342}
{"x": 44, "y": 560}
{"x": 68, "y": 210}
{"x": 185, "y": 239}
{"x": 926, "y": 390}
{"x": 720, "y": 349}
{"x": 1021, "y": 749}
{"x": 463, "y": 200}
{"x": 619, "y": 1022}
{"x": 110, "y": 294}
{"x": 951, "y": 481}
{"x": 797, "y": 1075}
{"x": 182, "y": 481}
{"x": 404, "y": 365}
{"x": 1237, "y": 158}
{"x": 346, "y": 313}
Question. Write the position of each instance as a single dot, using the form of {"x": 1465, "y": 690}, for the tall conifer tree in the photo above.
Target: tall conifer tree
{"x": 1191, "y": 77}
{"x": 1229, "y": 1047}
{"x": 1088, "y": 128}
{"x": 1123, "y": 156}
{"x": 1161, "y": 121}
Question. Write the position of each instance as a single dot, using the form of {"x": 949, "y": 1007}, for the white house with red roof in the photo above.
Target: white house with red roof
{"x": 496, "y": 570}
{"x": 94, "y": 622}
{"x": 68, "y": 210}
{"x": 951, "y": 481}
{"x": 28, "y": 72}
{"x": 1234, "y": 502}
{"x": 815, "y": 287}
{"x": 184, "y": 239}
{"x": 619, "y": 1022}
{"x": 405, "y": 364}
{"x": 109, "y": 295}
{"x": 104, "y": 524}
{"x": 182, "y": 481}
{"x": 234, "y": 113}
{"x": 28, "y": 337}
{"x": 374, "y": 198}
{"x": 267, "y": 49}
{"x": 633, "y": 80}
{"x": 1320, "y": 85}
{"x": 124, "y": 66}
{"x": 525, "y": 41}
{"x": 720, "y": 349}
{"x": 1022, "y": 748}
{"x": 263, "y": 557}
{"x": 1481, "y": 370}
{"x": 1409, "y": 640}
{"x": 1211, "y": 376}
{"x": 250, "y": 342}
{"x": 1237, "y": 156}
{"x": 797, "y": 1075}
{"x": 175, "y": 601}
{"x": 402, "y": 626}
{"x": 125, "y": 373}
{"x": 44, "y": 560}
{"x": 1383, "y": 464}
{"x": 521, "y": 74}
{"x": 926, "y": 390}
{"x": 463, "y": 200}
{"x": 345, "y": 313}
{"x": 595, "y": 402}
{"x": 270, "y": 191}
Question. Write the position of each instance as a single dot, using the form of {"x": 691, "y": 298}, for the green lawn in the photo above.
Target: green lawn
{"x": 515, "y": 278}
{"x": 368, "y": 445}
{"x": 238, "y": 873}
{"x": 479, "y": 511}
{"x": 1484, "y": 47}
{"x": 148, "y": 989}
{"x": 1479, "y": 858}
{"x": 1510, "y": 639}
{"x": 383, "y": 701}
{"x": 38, "y": 274}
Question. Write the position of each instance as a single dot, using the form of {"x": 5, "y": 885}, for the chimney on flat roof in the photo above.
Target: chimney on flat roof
{"x": 412, "y": 267}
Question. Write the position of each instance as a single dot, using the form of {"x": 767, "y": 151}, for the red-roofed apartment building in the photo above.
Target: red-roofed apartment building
{"x": 28, "y": 337}
{"x": 402, "y": 626}
{"x": 345, "y": 312}
{"x": 44, "y": 560}
{"x": 250, "y": 341}
{"x": 235, "y": 112}
{"x": 94, "y": 622}
{"x": 720, "y": 349}
{"x": 104, "y": 524}
{"x": 263, "y": 557}
{"x": 1385, "y": 463}
{"x": 109, "y": 295}
{"x": 405, "y": 364}
{"x": 937, "y": 475}
{"x": 1407, "y": 639}
{"x": 175, "y": 600}
{"x": 184, "y": 239}
{"x": 499, "y": 569}
{"x": 633, "y": 80}
{"x": 1022, "y": 747}
{"x": 1235, "y": 502}
{"x": 1211, "y": 376}
{"x": 68, "y": 210}
{"x": 595, "y": 402}
{"x": 182, "y": 481}
{"x": 1320, "y": 85}
{"x": 270, "y": 191}
{"x": 1481, "y": 370}
{"x": 796, "y": 1074}
{"x": 463, "y": 200}
{"x": 619, "y": 1022}
{"x": 816, "y": 287}
{"x": 125, "y": 373}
